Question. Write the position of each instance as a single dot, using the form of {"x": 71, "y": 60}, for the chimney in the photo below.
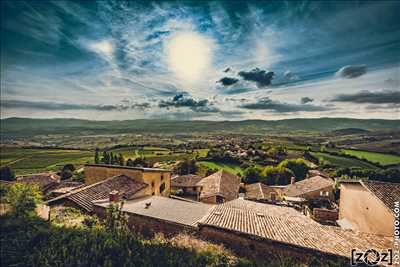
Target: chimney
{"x": 114, "y": 196}
{"x": 292, "y": 180}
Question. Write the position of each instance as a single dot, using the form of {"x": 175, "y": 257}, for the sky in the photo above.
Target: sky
{"x": 200, "y": 60}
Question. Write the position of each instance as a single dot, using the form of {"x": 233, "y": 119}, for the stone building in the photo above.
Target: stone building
{"x": 368, "y": 206}
{"x": 262, "y": 193}
{"x": 82, "y": 198}
{"x": 153, "y": 214}
{"x": 259, "y": 230}
{"x": 45, "y": 181}
{"x": 219, "y": 187}
{"x": 187, "y": 184}
{"x": 159, "y": 180}
{"x": 316, "y": 187}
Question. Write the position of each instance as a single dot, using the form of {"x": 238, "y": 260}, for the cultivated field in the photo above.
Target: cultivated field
{"x": 24, "y": 161}
{"x": 384, "y": 159}
{"x": 342, "y": 161}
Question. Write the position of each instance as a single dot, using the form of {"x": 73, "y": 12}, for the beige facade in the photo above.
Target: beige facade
{"x": 159, "y": 180}
{"x": 364, "y": 211}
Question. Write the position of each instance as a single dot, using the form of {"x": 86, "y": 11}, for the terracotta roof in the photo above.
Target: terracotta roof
{"x": 84, "y": 196}
{"x": 288, "y": 226}
{"x": 66, "y": 186}
{"x": 220, "y": 183}
{"x": 312, "y": 173}
{"x": 307, "y": 185}
{"x": 259, "y": 191}
{"x": 167, "y": 209}
{"x": 43, "y": 180}
{"x": 387, "y": 192}
{"x": 189, "y": 180}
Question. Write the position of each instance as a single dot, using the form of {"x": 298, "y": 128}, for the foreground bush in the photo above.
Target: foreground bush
{"x": 33, "y": 242}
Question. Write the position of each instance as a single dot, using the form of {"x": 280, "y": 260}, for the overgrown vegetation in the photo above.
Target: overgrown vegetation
{"x": 22, "y": 199}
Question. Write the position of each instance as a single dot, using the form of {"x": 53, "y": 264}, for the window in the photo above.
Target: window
{"x": 162, "y": 176}
{"x": 273, "y": 196}
{"x": 321, "y": 193}
{"x": 162, "y": 187}
{"x": 152, "y": 184}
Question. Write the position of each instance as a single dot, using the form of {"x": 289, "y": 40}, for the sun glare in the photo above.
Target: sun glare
{"x": 188, "y": 55}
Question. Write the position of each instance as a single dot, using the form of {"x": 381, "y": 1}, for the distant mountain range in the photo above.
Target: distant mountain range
{"x": 25, "y": 127}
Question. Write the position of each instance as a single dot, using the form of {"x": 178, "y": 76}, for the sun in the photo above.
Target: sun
{"x": 189, "y": 55}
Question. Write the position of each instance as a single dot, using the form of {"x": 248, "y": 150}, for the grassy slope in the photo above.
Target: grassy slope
{"x": 21, "y": 127}
{"x": 342, "y": 161}
{"x": 235, "y": 169}
{"x": 384, "y": 159}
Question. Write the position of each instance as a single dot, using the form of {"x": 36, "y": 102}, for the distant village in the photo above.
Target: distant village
{"x": 298, "y": 219}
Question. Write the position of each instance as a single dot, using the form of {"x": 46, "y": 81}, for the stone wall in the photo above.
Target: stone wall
{"x": 257, "y": 248}
{"x": 209, "y": 200}
{"x": 325, "y": 215}
{"x": 149, "y": 226}
{"x": 155, "y": 180}
{"x": 316, "y": 194}
{"x": 94, "y": 174}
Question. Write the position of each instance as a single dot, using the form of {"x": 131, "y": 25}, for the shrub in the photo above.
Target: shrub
{"x": 276, "y": 175}
{"x": 297, "y": 166}
{"x": 7, "y": 174}
{"x": 23, "y": 199}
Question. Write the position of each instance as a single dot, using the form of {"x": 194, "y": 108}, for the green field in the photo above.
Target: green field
{"x": 235, "y": 169}
{"x": 342, "y": 161}
{"x": 24, "y": 161}
{"x": 384, "y": 159}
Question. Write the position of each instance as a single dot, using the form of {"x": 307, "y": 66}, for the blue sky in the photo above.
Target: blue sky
{"x": 217, "y": 60}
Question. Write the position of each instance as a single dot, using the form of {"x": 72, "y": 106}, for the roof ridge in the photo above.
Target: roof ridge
{"x": 89, "y": 186}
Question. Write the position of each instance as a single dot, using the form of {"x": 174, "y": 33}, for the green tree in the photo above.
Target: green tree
{"x": 276, "y": 175}
{"x": 115, "y": 217}
{"x": 7, "y": 174}
{"x": 252, "y": 174}
{"x": 23, "y": 199}
{"x": 67, "y": 171}
{"x": 121, "y": 160}
{"x": 186, "y": 166}
{"x": 96, "y": 156}
{"x": 297, "y": 166}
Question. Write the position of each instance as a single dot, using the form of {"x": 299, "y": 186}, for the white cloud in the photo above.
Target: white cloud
{"x": 104, "y": 48}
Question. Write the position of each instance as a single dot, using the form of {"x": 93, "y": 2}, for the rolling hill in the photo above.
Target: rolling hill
{"x": 26, "y": 127}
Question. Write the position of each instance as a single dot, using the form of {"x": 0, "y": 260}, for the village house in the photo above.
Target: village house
{"x": 259, "y": 230}
{"x": 262, "y": 193}
{"x": 45, "y": 181}
{"x": 252, "y": 229}
{"x": 219, "y": 187}
{"x": 155, "y": 214}
{"x": 316, "y": 187}
{"x": 82, "y": 198}
{"x": 368, "y": 206}
{"x": 186, "y": 185}
{"x": 64, "y": 187}
{"x": 159, "y": 180}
